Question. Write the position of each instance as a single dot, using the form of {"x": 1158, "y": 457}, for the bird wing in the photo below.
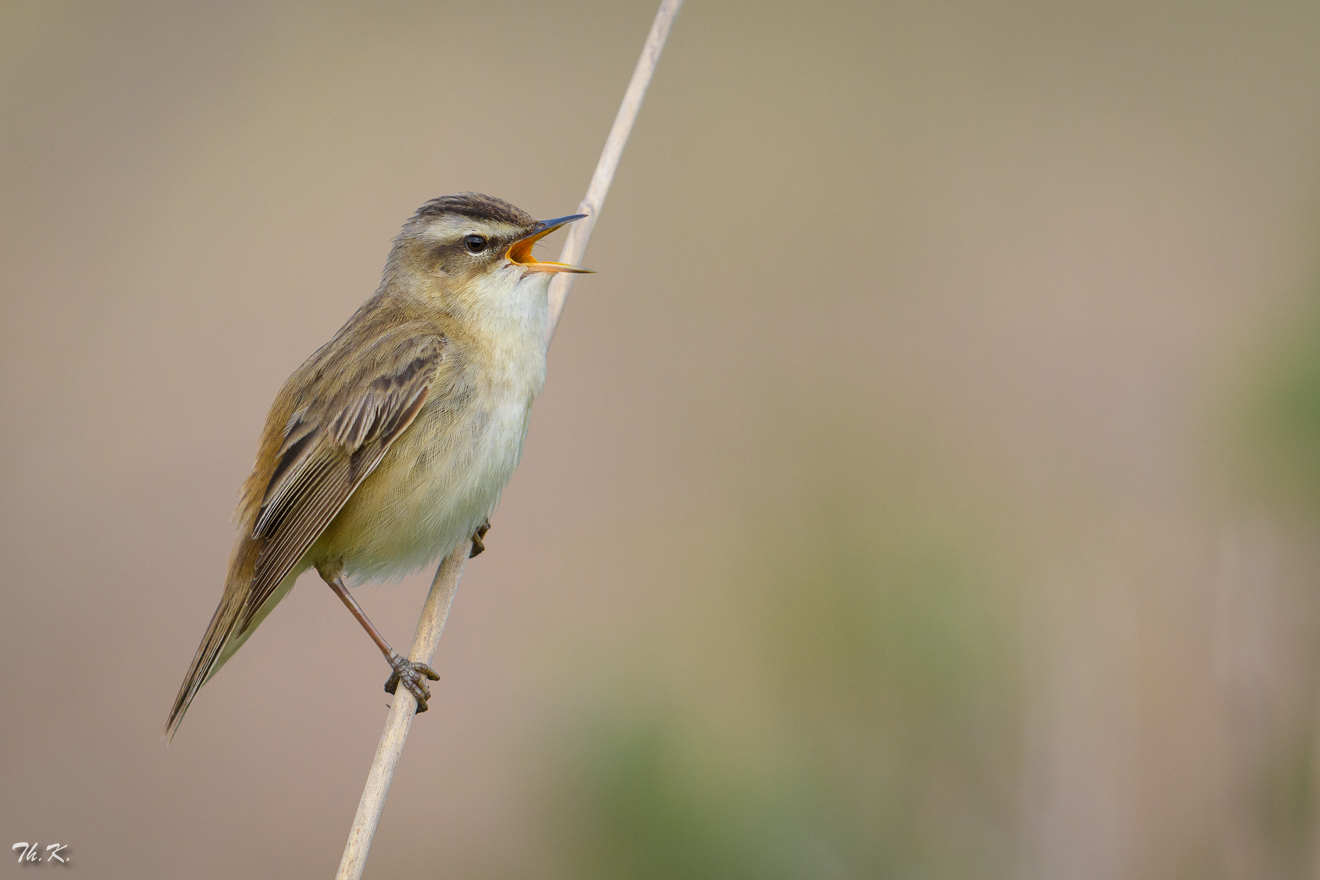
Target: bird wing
{"x": 329, "y": 428}
{"x": 330, "y": 446}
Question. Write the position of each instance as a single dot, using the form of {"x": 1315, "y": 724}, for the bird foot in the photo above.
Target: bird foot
{"x": 413, "y": 677}
{"x": 477, "y": 545}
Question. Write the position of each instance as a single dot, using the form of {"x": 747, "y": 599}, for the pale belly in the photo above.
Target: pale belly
{"x": 440, "y": 480}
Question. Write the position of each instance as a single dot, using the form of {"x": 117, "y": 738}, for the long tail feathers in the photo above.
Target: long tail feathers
{"x": 218, "y": 633}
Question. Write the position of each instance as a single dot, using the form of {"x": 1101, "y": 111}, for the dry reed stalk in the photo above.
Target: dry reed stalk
{"x": 445, "y": 585}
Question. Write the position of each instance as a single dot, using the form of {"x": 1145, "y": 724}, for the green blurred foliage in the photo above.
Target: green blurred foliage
{"x": 1283, "y": 460}
{"x": 1284, "y": 805}
{"x": 1284, "y": 413}
{"x": 879, "y": 735}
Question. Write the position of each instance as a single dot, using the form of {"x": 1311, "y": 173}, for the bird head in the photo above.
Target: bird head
{"x": 471, "y": 244}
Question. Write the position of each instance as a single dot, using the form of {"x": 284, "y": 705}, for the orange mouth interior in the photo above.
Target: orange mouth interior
{"x": 520, "y": 253}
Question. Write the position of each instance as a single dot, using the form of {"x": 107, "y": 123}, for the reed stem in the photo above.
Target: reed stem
{"x": 447, "y": 576}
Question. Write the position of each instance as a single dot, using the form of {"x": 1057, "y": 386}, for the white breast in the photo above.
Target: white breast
{"x": 443, "y": 477}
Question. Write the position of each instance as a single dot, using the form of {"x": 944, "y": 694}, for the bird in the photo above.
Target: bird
{"x": 391, "y": 444}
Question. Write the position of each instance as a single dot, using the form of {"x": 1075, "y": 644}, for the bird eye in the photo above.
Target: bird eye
{"x": 475, "y": 243}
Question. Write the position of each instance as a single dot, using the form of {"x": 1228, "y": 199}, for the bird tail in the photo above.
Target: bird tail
{"x": 220, "y": 641}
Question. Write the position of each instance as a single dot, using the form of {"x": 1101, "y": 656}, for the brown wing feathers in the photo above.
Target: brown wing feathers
{"x": 330, "y": 443}
{"x": 348, "y": 440}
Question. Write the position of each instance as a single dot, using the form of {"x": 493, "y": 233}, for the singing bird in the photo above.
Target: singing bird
{"x": 392, "y": 443}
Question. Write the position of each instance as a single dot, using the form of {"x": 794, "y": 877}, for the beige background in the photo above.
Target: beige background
{"x": 923, "y": 487}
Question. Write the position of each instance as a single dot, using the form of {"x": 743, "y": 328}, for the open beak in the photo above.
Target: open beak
{"x": 520, "y": 251}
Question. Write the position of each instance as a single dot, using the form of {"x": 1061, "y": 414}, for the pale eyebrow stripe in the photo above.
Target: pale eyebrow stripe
{"x": 453, "y": 228}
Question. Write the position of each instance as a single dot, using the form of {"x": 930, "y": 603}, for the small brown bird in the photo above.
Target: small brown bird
{"x": 392, "y": 443}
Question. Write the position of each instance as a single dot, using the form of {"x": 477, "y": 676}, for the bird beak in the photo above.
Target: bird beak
{"x": 520, "y": 251}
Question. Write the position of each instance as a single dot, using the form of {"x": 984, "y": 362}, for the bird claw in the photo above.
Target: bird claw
{"x": 413, "y": 677}
{"x": 478, "y": 546}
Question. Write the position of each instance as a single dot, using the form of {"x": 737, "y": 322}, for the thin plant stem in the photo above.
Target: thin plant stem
{"x": 580, "y": 232}
{"x": 399, "y": 721}
{"x": 445, "y": 584}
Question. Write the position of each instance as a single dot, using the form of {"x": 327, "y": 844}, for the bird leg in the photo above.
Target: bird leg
{"x": 477, "y": 545}
{"x": 413, "y": 675}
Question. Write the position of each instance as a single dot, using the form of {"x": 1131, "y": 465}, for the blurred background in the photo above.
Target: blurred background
{"x": 927, "y": 486}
